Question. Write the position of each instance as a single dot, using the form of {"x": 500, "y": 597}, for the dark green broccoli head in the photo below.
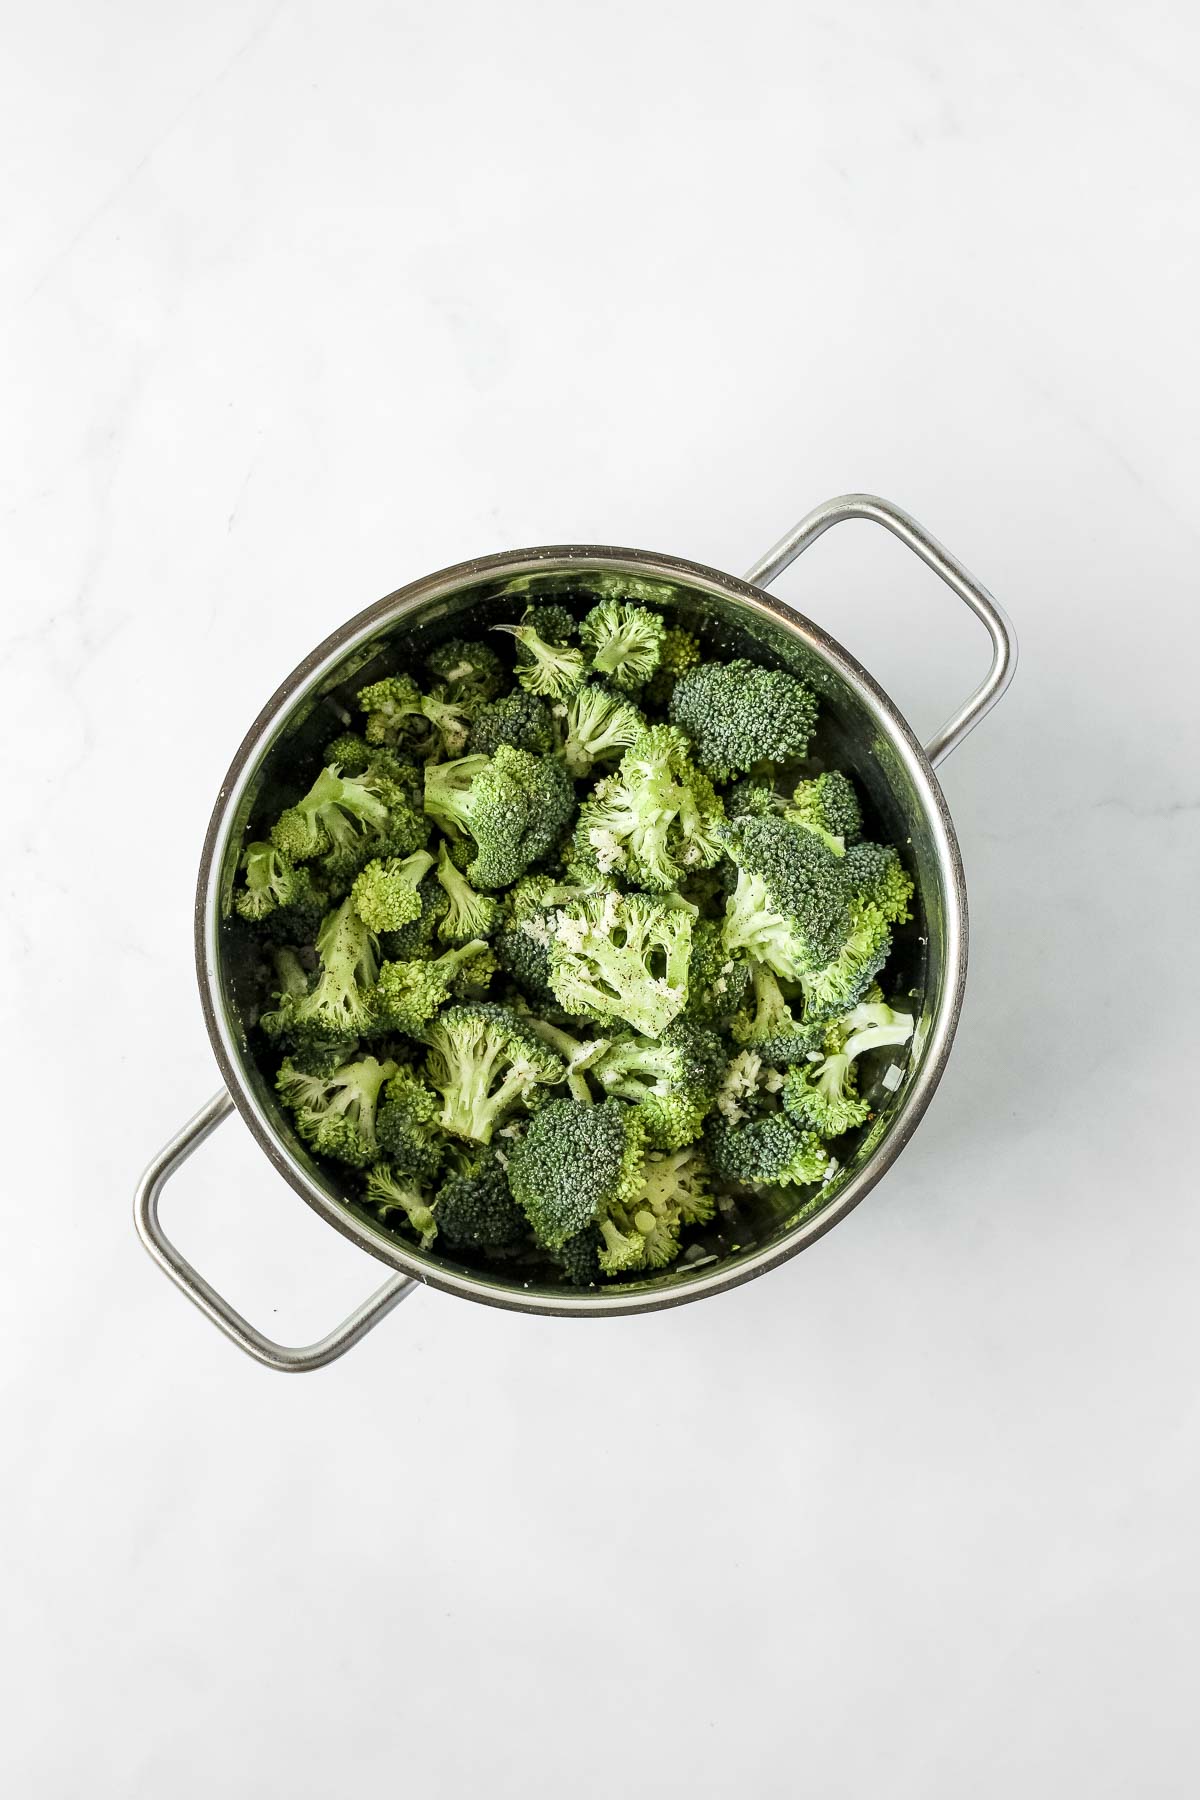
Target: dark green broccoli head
{"x": 579, "y": 1257}
{"x": 829, "y": 806}
{"x": 717, "y": 979}
{"x": 790, "y": 908}
{"x": 474, "y": 1207}
{"x": 573, "y": 1163}
{"x": 520, "y": 719}
{"x": 737, "y": 714}
{"x": 879, "y": 879}
{"x": 419, "y": 938}
{"x": 406, "y": 1126}
{"x": 520, "y": 807}
{"x": 765, "y": 1152}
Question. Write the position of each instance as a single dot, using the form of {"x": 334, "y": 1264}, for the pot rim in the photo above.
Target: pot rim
{"x": 707, "y": 1280}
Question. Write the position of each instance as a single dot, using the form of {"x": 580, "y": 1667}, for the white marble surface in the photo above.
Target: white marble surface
{"x": 301, "y": 301}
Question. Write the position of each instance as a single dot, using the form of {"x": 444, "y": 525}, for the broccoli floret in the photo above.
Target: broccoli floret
{"x": 474, "y": 974}
{"x": 573, "y": 1165}
{"x": 717, "y": 980}
{"x": 679, "y": 1180}
{"x": 271, "y": 881}
{"x": 656, "y": 819}
{"x": 578, "y": 1056}
{"x": 747, "y": 1087}
{"x": 768, "y": 1151}
{"x": 625, "y": 641}
{"x": 551, "y": 622}
{"x": 469, "y": 915}
{"x": 418, "y": 937}
{"x": 474, "y": 1207}
{"x": 399, "y": 713}
{"x": 880, "y": 879}
{"x": 299, "y": 921}
{"x": 622, "y": 956}
{"x": 737, "y": 714}
{"x": 600, "y": 724}
{"x": 335, "y": 1113}
{"x": 335, "y": 813}
{"x": 469, "y": 672}
{"x": 515, "y": 806}
{"x": 579, "y": 1257}
{"x": 828, "y": 805}
{"x": 823, "y": 1096}
{"x": 836, "y": 987}
{"x": 748, "y": 798}
{"x": 388, "y": 1192}
{"x": 407, "y": 994}
{"x": 790, "y": 906}
{"x": 543, "y": 667}
{"x": 385, "y": 894}
{"x": 673, "y": 1079}
{"x": 520, "y": 719}
{"x": 874, "y": 1026}
{"x": 349, "y": 753}
{"x": 339, "y": 1004}
{"x": 406, "y": 1126}
{"x": 483, "y": 1060}
{"x": 680, "y": 651}
{"x": 772, "y": 1029}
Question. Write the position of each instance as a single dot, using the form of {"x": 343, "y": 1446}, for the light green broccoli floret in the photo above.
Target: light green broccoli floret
{"x": 271, "y": 881}
{"x": 621, "y": 956}
{"x": 880, "y": 879}
{"x": 656, "y": 820}
{"x": 828, "y": 805}
{"x": 600, "y": 724}
{"x": 625, "y": 641}
{"x": 385, "y": 894}
{"x": 406, "y": 1126}
{"x": 673, "y": 1079}
{"x": 399, "y": 713}
{"x": 469, "y": 915}
{"x": 337, "y": 812}
{"x": 407, "y": 994}
{"x": 335, "y": 1113}
{"x": 389, "y": 1192}
{"x": 543, "y": 667}
{"x": 515, "y": 806}
{"x": 484, "y": 1060}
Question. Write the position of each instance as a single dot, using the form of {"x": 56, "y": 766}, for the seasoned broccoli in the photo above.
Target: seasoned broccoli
{"x": 385, "y": 894}
{"x": 406, "y": 1126}
{"x": 622, "y": 956}
{"x": 389, "y": 1192}
{"x": 543, "y": 667}
{"x": 483, "y": 1060}
{"x": 880, "y": 879}
{"x": 468, "y": 672}
{"x": 680, "y": 1179}
{"x": 272, "y": 881}
{"x": 717, "y": 980}
{"x": 625, "y": 641}
{"x": 407, "y": 994}
{"x": 737, "y": 714}
{"x": 767, "y": 1151}
{"x": 469, "y": 915}
{"x": 747, "y": 1086}
{"x": 573, "y": 1164}
{"x": 475, "y": 1209}
{"x": 656, "y": 819}
{"x": 520, "y": 719}
{"x": 600, "y": 724}
{"x": 673, "y": 1079}
{"x": 828, "y": 805}
{"x": 578, "y": 1055}
{"x": 790, "y": 907}
{"x": 515, "y": 806}
{"x": 772, "y": 1029}
{"x": 335, "y": 1113}
{"x": 337, "y": 811}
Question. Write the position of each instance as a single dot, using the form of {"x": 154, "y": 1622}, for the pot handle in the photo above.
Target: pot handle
{"x": 939, "y": 559}
{"x": 189, "y": 1281}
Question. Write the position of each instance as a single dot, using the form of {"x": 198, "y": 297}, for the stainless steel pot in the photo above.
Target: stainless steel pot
{"x": 864, "y": 730}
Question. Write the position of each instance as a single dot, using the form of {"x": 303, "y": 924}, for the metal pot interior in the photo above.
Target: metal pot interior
{"x": 860, "y": 730}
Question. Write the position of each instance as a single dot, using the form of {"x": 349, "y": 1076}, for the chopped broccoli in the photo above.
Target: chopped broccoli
{"x": 389, "y": 1192}
{"x": 748, "y": 798}
{"x": 299, "y": 921}
{"x": 417, "y": 938}
{"x": 600, "y": 724}
{"x": 484, "y": 1060}
{"x": 823, "y": 1096}
{"x": 579, "y": 1257}
{"x": 877, "y": 875}
{"x": 717, "y": 980}
{"x": 272, "y": 881}
{"x": 737, "y": 714}
{"x": 407, "y": 994}
{"x": 335, "y": 1113}
{"x": 835, "y": 987}
{"x": 399, "y": 713}
{"x": 673, "y": 1079}
{"x": 543, "y": 667}
{"x": 790, "y": 907}
{"x": 520, "y": 719}
{"x": 468, "y": 672}
{"x": 515, "y": 806}
{"x": 578, "y": 1055}
{"x": 552, "y": 622}
{"x": 474, "y": 1207}
{"x": 767, "y": 1151}
{"x": 385, "y": 894}
{"x": 747, "y": 1086}
{"x": 772, "y": 1029}
{"x": 339, "y": 1004}
{"x": 625, "y": 641}
{"x": 573, "y": 1164}
{"x": 406, "y": 1126}
{"x": 337, "y": 811}
{"x": 656, "y": 819}
{"x": 469, "y": 915}
{"x": 679, "y": 652}
{"x": 828, "y": 806}
{"x": 622, "y": 956}
{"x": 680, "y": 1179}
{"x": 874, "y": 1026}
